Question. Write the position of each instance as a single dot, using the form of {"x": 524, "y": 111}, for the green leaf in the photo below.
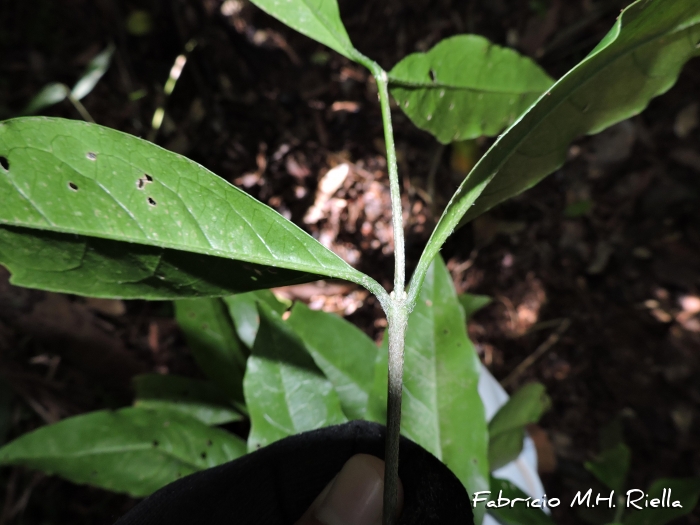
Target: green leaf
{"x": 244, "y": 312}
{"x": 611, "y": 466}
{"x": 93, "y": 211}
{"x": 286, "y": 393}
{"x": 199, "y": 399}
{"x": 95, "y": 71}
{"x": 507, "y": 427}
{"x": 343, "y": 352}
{"x": 473, "y": 303}
{"x": 132, "y": 450}
{"x": 639, "y": 59}
{"x": 466, "y": 87}
{"x": 685, "y": 491}
{"x": 317, "y": 19}
{"x": 212, "y": 339}
{"x": 51, "y": 94}
{"x": 441, "y": 408}
{"x": 518, "y": 514}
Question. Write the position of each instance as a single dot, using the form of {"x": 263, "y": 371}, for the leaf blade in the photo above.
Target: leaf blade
{"x": 86, "y": 193}
{"x": 507, "y": 427}
{"x": 243, "y": 310}
{"x": 684, "y": 490}
{"x": 343, "y": 352}
{"x": 602, "y": 90}
{"x": 317, "y": 19}
{"x": 195, "y": 398}
{"x": 517, "y": 514}
{"x": 132, "y": 450}
{"x": 286, "y": 393}
{"x": 466, "y": 87}
{"x": 93, "y": 73}
{"x": 213, "y": 342}
{"x": 611, "y": 466}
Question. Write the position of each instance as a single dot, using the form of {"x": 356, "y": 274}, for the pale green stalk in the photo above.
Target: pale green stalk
{"x": 396, "y": 306}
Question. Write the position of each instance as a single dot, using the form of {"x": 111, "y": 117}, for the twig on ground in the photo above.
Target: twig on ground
{"x": 539, "y": 352}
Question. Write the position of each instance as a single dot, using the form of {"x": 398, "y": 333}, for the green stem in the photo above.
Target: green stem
{"x": 397, "y": 314}
{"x": 394, "y": 186}
{"x": 81, "y": 109}
{"x": 398, "y": 319}
{"x": 395, "y": 305}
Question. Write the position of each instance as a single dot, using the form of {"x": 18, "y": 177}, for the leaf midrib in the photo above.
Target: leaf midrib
{"x": 440, "y": 85}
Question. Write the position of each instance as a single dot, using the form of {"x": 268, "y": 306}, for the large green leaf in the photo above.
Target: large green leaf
{"x": 132, "y": 450}
{"x": 243, "y": 309}
{"x": 466, "y": 87}
{"x": 685, "y": 491}
{"x": 441, "y": 408}
{"x": 317, "y": 19}
{"x": 639, "y": 59}
{"x": 344, "y": 353}
{"x": 286, "y": 393}
{"x": 507, "y": 427}
{"x": 199, "y": 399}
{"x": 214, "y": 344}
{"x": 90, "y": 210}
{"x": 611, "y": 466}
{"x": 517, "y": 514}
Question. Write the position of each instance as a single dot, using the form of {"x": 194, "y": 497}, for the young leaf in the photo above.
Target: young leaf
{"x": 90, "y": 210}
{"x": 639, "y": 59}
{"x": 243, "y": 309}
{"x": 685, "y": 491}
{"x": 507, "y": 428}
{"x": 195, "y": 398}
{"x": 611, "y": 466}
{"x": 518, "y": 514}
{"x": 215, "y": 347}
{"x": 132, "y": 450}
{"x": 50, "y": 94}
{"x": 441, "y": 408}
{"x": 466, "y": 87}
{"x": 286, "y": 393}
{"x": 317, "y": 19}
{"x": 95, "y": 71}
{"x": 344, "y": 353}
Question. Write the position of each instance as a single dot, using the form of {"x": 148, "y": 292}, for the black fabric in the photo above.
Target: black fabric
{"x": 276, "y": 484}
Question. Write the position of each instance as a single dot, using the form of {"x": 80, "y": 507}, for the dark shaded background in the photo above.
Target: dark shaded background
{"x": 609, "y": 244}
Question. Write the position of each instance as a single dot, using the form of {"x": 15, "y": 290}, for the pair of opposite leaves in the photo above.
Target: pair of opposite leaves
{"x": 74, "y": 192}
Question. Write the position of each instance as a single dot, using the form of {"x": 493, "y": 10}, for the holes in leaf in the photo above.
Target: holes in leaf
{"x": 203, "y": 455}
{"x": 73, "y": 186}
{"x": 4, "y": 163}
{"x": 151, "y": 201}
{"x": 91, "y": 156}
{"x": 146, "y": 179}
{"x": 432, "y": 75}
{"x": 155, "y": 443}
